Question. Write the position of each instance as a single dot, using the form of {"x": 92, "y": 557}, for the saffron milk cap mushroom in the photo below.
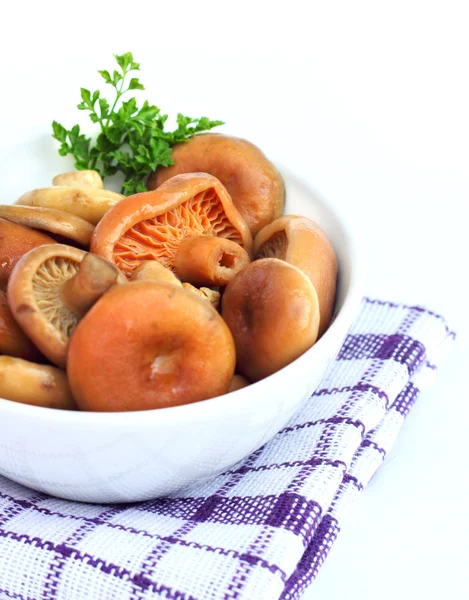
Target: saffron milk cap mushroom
{"x": 253, "y": 182}
{"x": 15, "y": 241}
{"x": 272, "y": 310}
{"x": 188, "y": 224}
{"x": 300, "y": 242}
{"x": 86, "y": 202}
{"x": 39, "y": 385}
{"x": 147, "y": 345}
{"x": 13, "y": 341}
{"x": 55, "y": 222}
{"x": 50, "y": 290}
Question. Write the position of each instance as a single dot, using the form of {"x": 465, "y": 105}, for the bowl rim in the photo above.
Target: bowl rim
{"x": 341, "y": 321}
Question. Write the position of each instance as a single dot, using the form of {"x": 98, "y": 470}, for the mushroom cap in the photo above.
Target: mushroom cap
{"x": 302, "y": 243}
{"x": 39, "y": 385}
{"x": 147, "y": 345}
{"x": 152, "y": 225}
{"x": 51, "y": 288}
{"x": 34, "y": 297}
{"x": 13, "y": 341}
{"x": 86, "y": 202}
{"x": 56, "y": 222}
{"x": 253, "y": 182}
{"x": 272, "y": 310}
{"x": 15, "y": 241}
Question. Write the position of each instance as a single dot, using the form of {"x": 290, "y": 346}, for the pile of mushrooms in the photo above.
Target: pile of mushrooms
{"x": 162, "y": 298}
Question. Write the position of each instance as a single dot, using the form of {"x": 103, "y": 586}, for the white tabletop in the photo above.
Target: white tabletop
{"x": 368, "y": 102}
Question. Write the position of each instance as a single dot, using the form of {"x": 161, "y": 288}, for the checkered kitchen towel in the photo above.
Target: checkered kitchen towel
{"x": 259, "y": 531}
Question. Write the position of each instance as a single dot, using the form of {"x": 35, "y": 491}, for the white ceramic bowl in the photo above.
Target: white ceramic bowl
{"x": 123, "y": 457}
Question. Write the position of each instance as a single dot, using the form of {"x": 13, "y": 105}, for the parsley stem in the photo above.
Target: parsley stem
{"x": 119, "y": 94}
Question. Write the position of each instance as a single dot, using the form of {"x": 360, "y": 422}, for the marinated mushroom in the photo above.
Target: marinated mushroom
{"x": 302, "y": 243}
{"x": 16, "y": 240}
{"x": 205, "y": 260}
{"x": 149, "y": 345}
{"x": 85, "y": 178}
{"x": 56, "y": 222}
{"x": 213, "y": 296}
{"x": 38, "y": 385}
{"x": 272, "y": 310}
{"x": 13, "y": 341}
{"x": 253, "y": 182}
{"x": 187, "y": 212}
{"x": 51, "y": 288}
{"x": 86, "y": 202}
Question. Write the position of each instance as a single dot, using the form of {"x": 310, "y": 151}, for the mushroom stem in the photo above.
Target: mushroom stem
{"x": 207, "y": 260}
{"x": 93, "y": 278}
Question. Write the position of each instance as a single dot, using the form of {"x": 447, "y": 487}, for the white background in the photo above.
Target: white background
{"x": 368, "y": 101}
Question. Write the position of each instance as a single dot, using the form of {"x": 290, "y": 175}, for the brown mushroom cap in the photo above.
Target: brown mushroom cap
{"x": 38, "y": 385}
{"x": 13, "y": 341}
{"x": 302, "y": 243}
{"x": 153, "y": 225}
{"x": 55, "y": 222}
{"x": 15, "y": 241}
{"x": 149, "y": 345}
{"x": 252, "y": 181}
{"x": 51, "y": 288}
{"x": 272, "y": 311}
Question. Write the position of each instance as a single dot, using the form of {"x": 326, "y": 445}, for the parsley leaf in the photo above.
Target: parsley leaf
{"x": 131, "y": 140}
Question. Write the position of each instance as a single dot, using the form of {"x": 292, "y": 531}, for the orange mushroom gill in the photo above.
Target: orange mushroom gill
{"x": 153, "y": 225}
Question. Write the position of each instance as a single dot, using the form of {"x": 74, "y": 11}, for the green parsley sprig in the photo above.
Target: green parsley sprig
{"x": 132, "y": 140}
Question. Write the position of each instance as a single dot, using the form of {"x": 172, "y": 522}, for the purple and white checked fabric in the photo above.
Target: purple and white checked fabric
{"x": 259, "y": 531}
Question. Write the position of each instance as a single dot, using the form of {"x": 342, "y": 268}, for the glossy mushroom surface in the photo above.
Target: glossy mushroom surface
{"x": 303, "y": 244}
{"x": 55, "y": 222}
{"x": 208, "y": 260}
{"x": 87, "y": 203}
{"x": 155, "y": 225}
{"x": 272, "y": 310}
{"x": 147, "y": 345}
{"x": 253, "y": 182}
{"x": 15, "y": 241}
{"x": 50, "y": 290}
{"x": 13, "y": 340}
{"x": 38, "y": 385}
